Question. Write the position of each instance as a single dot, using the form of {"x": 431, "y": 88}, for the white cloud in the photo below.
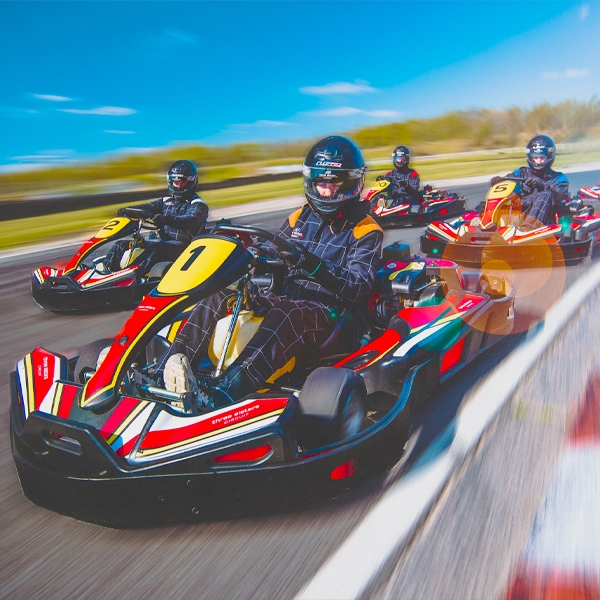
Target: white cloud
{"x": 346, "y": 111}
{"x": 179, "y": 37}
{"x": 112, "y": 111}
{"x": 342, "y": 111}
{"x": 46, "y": 156}
{"x": 584, "y": 11}
{"x": 268, "y": 123}
{"x": 52, "y": 98}
{"x": 119, "y": 131}
{"x": 569, "y": 74}
{"x": 577, "y": 72}
{"x": 330, "y": 89}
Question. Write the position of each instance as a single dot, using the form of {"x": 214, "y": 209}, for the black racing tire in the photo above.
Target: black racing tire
{"x": 157, "y": 272}
{"x": 88, "y": 357}
{"x": 433, "y": 294}
{"x": 332, "y": 406}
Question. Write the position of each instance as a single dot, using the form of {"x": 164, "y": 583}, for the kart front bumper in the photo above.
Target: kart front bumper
{"x": 67, "y": 467}
{"x": 66, "y": 296}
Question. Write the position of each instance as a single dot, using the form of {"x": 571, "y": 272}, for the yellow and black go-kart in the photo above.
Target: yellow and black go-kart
{"x": 97, "y": 438}
{"x": 495, "y": 234}
{"x": 111, "y": 270}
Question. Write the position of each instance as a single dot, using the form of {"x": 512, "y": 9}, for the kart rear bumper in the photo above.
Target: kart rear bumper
{"x": 517, "y": 256}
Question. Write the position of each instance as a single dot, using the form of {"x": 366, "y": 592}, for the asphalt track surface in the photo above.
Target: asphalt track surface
{"x": 465, "y": 549}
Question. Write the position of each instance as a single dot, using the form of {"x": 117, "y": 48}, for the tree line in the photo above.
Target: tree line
{"x": 474, "y": 129}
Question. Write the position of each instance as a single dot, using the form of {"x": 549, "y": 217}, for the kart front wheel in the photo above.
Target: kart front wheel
{"x": 332, "y": 406}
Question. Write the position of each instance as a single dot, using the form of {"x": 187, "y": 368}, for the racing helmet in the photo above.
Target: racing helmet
{"x": 540, "y": 153}
{"x": 182, "y": 179}
{"x": 401, "y": 157}
{"x": 334, "y": 175}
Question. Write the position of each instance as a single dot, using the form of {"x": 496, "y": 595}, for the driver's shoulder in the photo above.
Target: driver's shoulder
{"x": 293, "y": 218}
{"x": 365, "y": 226}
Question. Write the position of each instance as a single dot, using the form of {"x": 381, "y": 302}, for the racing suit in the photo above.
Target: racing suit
{"x": 182, "y": 220}
{"x": 405, "y": 182}
{"x": 300, "y": 320}
{"x": 541, "y": 205}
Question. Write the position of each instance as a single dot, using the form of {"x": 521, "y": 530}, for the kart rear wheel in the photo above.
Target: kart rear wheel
{"x": 379, "y": 200}
{"x": 333, "y": 406}
{"x": 88, "y": 358}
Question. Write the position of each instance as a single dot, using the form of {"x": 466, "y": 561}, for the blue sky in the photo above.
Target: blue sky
{"x": 84, "y": 79}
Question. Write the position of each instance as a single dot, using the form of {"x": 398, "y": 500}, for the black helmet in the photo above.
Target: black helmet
{"x": 401, "y": 157}
{"x": 541, "y": 147}
{"x": 334, "y": 175}
{"x": 182, "y": 179}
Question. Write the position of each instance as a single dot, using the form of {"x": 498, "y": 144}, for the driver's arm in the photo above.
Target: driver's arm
{"x": 193, "y": 220}
{"x": 559, "y": 186}
{"x": 154, "y": 207}
{"x": 353, "y": 280}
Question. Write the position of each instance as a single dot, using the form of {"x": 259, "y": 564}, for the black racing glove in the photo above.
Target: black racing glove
{"x": 158, "y": 220}
{"x": 300, "y": 258}
{"x": 533, "y": 183}
{"x": 496, "y": 180}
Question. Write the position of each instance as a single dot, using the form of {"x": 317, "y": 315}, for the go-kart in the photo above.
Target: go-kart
{"x": 431, "y": 204}
{"x": 98, "y": 277}
{"x": 589, "y": 193}
{"x": 497, "y": 234}
{"x": 95, "y": 436}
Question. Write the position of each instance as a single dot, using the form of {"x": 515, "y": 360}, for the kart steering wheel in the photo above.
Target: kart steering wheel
{"x": 145, "y": 216}
{"x": 279, "y": 242}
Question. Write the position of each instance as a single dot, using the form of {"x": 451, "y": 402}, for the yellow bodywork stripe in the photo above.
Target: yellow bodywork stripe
{"x": 124, "y": 358}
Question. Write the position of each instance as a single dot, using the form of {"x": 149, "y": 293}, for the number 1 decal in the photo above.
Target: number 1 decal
{"x": 194, "y": 254}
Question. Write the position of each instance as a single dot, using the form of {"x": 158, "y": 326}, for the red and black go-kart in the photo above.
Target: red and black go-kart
{"x": 432, "y": 204}
{"x": 94, "y": 278}
{"x": 95, "y": 438}
{"x": 589, "y": 193}
{"x": 495, "y": 235}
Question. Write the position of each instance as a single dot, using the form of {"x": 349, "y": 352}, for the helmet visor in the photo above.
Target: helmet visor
{"x": 180, "y": 181}
{"x": 539, "y": 157}
{"x": 333, "y": 186}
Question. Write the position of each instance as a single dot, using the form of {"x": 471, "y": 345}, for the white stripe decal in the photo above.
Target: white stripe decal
{"x": 413, "y": 341}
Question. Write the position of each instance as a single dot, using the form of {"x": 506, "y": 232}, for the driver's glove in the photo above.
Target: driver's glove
{"x": 300, "y": 258}
{"x": 495, "y": 180}
{"x": 121, "y": 212}
{"x": 533, "y": 183}
{"x": 158, "y": 220}
{"x": 380, "y": 177}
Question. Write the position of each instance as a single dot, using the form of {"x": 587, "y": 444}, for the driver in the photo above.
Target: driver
{"x": 337, "y": 250}
{"x": 405, "y": 181}
{"x": 546, "y": 187}
{"x": 179, "y": 217}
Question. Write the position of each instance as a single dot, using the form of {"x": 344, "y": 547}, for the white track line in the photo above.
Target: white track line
{"x": 394, "y": 519}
